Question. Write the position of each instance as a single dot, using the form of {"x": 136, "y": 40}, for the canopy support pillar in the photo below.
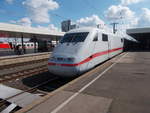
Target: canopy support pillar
{"x": 22, "y": 45}
{"x": 35, "y": 49}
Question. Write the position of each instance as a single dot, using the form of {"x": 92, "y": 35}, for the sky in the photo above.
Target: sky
{"x": 48, "y": 14}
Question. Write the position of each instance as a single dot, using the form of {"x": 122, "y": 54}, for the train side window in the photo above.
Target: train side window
{"x": 104, "y": 37}
{"x": 95, "y": 38}
{"x": 122, "y": 40}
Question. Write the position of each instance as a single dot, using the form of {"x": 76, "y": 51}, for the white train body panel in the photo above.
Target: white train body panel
{"x": 75, "y": 56}
{"x": 29, "y": 46}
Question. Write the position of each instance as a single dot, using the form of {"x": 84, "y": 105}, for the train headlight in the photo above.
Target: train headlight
{"x": 70, "y": 59}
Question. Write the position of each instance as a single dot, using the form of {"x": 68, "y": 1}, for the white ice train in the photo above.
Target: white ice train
{"x": 81, "y": 49}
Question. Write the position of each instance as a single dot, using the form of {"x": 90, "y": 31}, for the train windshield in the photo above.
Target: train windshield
{"x": 74, "y": 37}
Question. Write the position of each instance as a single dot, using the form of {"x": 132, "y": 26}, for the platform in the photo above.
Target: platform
{"x": 24, "y": 55}
{"x": 7, "y": 92}
{"x": 121, "y": 88}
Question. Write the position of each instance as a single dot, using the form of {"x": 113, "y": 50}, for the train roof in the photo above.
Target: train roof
{"x": 89, "y": 29}
{"x": 83, "y": 29}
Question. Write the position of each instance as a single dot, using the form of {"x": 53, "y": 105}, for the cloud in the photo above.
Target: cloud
{"x": 27, "y": 22}
{"x": 38, "y": 9}
{"x": 144, "y": 20}
{"x": 126, "y": 17}
{"x": 52, "y": 27}
{"x": 9, "y": 1}
{"x": 49, "y": 27}
{"x": 23, "y": 21}
{"x": 118, "y": 13}
{"x": 93, "y": 20}
{"x": 129, "y": 2}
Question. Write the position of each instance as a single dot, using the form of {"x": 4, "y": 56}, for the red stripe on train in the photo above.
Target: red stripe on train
{"x": 4, "y": 46}
{"x": 89, "y": 58}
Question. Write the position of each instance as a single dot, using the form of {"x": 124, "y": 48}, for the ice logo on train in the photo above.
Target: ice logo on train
{"x": 81, "y": 49}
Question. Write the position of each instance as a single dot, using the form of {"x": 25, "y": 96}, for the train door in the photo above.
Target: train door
{"x": 106, "y": 45}
{"x": 100, "y": 49}
{"x": 92, "y": 50}
{"x": 109, "y": 46}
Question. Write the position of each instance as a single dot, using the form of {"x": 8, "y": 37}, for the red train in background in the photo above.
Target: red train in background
{"x": 16, "y": 49}
{"x": 5, "y": 45}
{"x": 29, "y": 47}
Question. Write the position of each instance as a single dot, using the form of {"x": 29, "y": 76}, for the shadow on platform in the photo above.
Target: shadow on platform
{"x": 35, "y": 80}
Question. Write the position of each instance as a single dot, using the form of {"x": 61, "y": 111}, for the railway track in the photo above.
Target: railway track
{"x": 23, "y": 56}
{"x": 55, "y": 80}
{"x": 35, "y": 90}
{"x": 2, "y": 67}
{"x": 24, "y": 73}
{"x": 26, "y": 66}
{"x": 5, "y": 103}
{"x": 6, "y": 61}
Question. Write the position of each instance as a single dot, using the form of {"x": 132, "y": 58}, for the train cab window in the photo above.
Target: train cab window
{"x": 104, "y": 37}
{"x": 95, "y": 38}
{"x": 66, "y": 38}
{"x": 28, "y": 45}
{"x": 74, "y": 37}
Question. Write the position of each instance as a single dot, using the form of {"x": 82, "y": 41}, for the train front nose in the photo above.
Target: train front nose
{"x": 64, "y": 70}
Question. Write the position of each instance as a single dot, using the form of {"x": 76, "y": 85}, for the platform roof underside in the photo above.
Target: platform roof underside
{"x": 139, "y": 32}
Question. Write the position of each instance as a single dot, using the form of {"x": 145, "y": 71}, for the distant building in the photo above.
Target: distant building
{"x": 66, "y": 26}
{"x": 73, "y": 26}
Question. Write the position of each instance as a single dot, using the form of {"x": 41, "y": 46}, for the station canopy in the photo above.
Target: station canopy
{"x": 17, "y": 31}
{"x": 142, "y": 35}
{"x": 139, "y": 32}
